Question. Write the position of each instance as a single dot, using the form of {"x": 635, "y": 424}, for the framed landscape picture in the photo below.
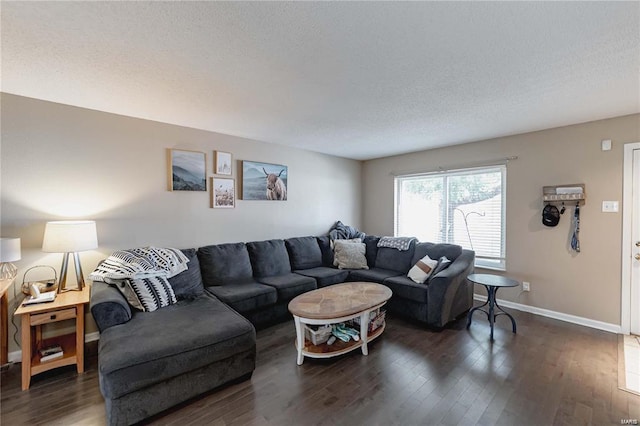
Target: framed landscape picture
{"x": 264, "y": 181}
{"x": 187, "y": 170}
{"x": 223, "y": 163}
{"x": 223, "y": 194}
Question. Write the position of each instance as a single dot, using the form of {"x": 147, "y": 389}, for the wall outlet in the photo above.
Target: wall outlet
{"x": 526, "y": 286}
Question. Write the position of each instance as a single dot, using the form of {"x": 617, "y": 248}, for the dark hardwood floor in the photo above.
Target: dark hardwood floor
{"x": 551, "y": 372}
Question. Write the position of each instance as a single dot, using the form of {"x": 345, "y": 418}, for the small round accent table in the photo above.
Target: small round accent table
{"x": 492, "y": 283}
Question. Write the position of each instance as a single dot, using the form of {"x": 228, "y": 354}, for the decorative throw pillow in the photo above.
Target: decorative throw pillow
{"x": 443, "y": 263}
{"x": 147, "y": 294}
{"x": 336, "y": 243}
{"x": 422, "y": 269}
{"x": 351, "y": 256}
{"x": 188, "y": 284}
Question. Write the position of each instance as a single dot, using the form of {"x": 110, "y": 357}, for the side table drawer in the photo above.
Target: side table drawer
{"x": 54, "y": 316}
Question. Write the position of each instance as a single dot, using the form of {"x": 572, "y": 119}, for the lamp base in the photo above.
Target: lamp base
{"x": 62, "y": 287}
{"x": 8, "y": 271}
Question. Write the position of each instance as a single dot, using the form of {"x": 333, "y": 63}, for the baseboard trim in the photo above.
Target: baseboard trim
{"x": 599, "y": 325}
{"x": 16, "y": 356}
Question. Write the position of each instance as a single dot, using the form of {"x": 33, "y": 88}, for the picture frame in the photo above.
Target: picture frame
{"x": 186, "y": 170}
{"x": 264, "y": 181}
{"x": 223, "y": 163}
{"x": 223, "y": 193}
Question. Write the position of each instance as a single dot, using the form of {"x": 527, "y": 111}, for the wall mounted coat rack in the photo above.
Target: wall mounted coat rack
{"x": 571, "y": 193}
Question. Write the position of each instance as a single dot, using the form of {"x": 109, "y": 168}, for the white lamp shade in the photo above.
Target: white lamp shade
{"x": 9, "y": 249}
{"x": 69, "y": 236}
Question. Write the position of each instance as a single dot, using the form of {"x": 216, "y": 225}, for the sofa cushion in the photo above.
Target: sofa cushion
{"x": 156, "y": 346}
{"x": 269, "y": 258}
{"x": 304, "y": 252}
{"x": 396, "y": 260}
{"x": 377, "y": 275}
{"x": 225, "y": 264}
{"x": 371, "y": 242}
{"x": 326, "y": 250}
{"x": 436, "y": 251}
{"x": 290, "y": 285}
{"x": 404, "y": 287}
{"x": 188, "y": 284}
{"x": 245, "y": 297}
{"x": 325, "y": 275}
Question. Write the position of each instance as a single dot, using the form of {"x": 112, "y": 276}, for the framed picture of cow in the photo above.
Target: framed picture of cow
{"x": 264, "y": 181}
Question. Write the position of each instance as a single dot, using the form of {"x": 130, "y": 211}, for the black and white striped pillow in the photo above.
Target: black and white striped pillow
{"x": 148, "y": 294}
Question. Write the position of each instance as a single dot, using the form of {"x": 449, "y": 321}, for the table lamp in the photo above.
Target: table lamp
{"x": 70, "y": 237}
{"x": 9, "y": 252}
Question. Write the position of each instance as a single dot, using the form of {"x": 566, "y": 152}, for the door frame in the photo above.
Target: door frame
{"x": 627, "y": 255}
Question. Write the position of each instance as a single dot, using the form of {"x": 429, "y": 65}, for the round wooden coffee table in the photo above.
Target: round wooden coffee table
{"x": 335, "y": 304}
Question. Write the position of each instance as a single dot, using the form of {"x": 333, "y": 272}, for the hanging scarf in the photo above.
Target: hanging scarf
{"x": 575, "y": 241}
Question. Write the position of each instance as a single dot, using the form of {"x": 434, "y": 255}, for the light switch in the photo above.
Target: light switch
{"x": 610, "y": 206}
{"x": 606, "y": 145}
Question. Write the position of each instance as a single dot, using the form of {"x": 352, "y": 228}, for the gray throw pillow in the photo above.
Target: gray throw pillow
{"x": 188, "y": 284}
{"x": 443, "y": 263}
{"x": 351, "y": 256}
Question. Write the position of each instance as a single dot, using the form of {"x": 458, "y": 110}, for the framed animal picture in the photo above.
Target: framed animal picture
{"x": 264, "y": 181}
{"x": 223, "y": 193}
{"x": 187, "y": 170}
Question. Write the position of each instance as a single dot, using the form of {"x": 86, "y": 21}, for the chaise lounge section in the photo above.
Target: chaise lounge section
{"x": 151, "y": 361}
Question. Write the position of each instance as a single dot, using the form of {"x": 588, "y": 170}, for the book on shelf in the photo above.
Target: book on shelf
{"x": 51, "y": 356}
{"x": 51, "y": 352}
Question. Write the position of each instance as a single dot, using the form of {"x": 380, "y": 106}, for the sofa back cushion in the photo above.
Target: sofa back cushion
{"x": 394, "y": 259}
{"x": 269, "y": 258}
{"x": 436, "y": 251}
{"x": 225, "y": 264}
{"x": 188, "y": 284}
{"x": 371, "y": 244}
{"x": 304, "y": 252}
{"x": 326, "y": 250}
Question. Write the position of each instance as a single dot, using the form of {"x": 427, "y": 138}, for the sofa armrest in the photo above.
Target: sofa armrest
{"x": 450, "y": 294}
{"x": 108, "y": 306}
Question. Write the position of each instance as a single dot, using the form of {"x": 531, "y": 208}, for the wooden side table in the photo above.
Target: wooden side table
{"x": 67, "y": 305}
{"x": 4, "y": 321}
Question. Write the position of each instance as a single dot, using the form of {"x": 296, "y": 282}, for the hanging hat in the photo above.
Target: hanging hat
{"x": 550, "y": 215}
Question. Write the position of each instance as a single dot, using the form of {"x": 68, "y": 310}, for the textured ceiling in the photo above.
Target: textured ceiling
{"x": 354, "y": 79}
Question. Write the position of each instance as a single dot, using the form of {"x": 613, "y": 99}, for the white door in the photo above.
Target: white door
{"x": 631, "y": 241}
{"x": 635, "y": 245}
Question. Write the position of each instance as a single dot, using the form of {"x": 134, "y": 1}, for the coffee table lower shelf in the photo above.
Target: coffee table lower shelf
{"x": 338, "y": 348}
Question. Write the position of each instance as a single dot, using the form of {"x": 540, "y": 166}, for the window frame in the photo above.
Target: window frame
{"x": 484, "y": 262}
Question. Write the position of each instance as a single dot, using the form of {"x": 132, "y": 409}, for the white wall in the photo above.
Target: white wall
{"x": 62, "y": 162}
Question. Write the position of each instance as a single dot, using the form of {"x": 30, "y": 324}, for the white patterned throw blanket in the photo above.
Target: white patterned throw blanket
{"x": 138, "y": 263}
{"x": 142, "y": 274}
{"x": 398, "y": 243}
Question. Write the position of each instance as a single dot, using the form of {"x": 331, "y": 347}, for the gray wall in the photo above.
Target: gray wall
{"x": 62, "y": 162}
{"x": 585, "y": 284}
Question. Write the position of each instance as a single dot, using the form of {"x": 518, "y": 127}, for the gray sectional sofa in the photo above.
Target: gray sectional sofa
{"x": 151, "y": 361}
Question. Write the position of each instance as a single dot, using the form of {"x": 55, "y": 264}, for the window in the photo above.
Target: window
{"x": 464, "y": 207}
